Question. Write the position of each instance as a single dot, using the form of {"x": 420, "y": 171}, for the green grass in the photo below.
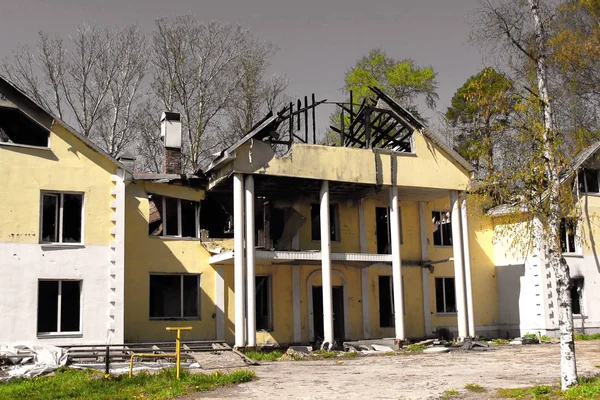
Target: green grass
{"x": 473, "y": 387}
{"x": 416, "y": 347}
{"x": 272, "y": 355}
{"x": 326, "y": 354}
{"x": 89, "y": 384}
{"x": 530, "y": 336}
{"x": 449, "y": 393}
{"x": 579, "y": 336}
{"x": 588, "y": 388}
{"x": 496, "y": 342}
{"x": 545, "y": 338}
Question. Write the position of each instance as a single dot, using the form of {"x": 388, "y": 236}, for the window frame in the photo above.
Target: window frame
{"x": 59, "y": 221}
{"x": 179, "y": 218}
{"x": 583, "y": 185}
{"x": 181, "y": 298}
{"x": 58, "y": 332}
{"x": 440, "y": 228}
{"x": 564, "y": 235}
{"x": 444, "y": 280}
{"x": 578, "y": 281}
{"x": 269, "y": 303}
{"x": 334, "y": 220}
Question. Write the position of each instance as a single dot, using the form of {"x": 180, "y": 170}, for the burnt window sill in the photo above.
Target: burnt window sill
{"x": 192, "y": 239}
{"x": 25, "y": 146}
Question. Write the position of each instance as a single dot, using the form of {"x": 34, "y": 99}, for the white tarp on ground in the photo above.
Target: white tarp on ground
{"x": 38, "y": 359}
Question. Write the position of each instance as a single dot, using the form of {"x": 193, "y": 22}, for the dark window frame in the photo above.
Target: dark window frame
{"x": 334, "y": 222}
{"x": 59, "y": 309}
{"x": 576, "y": 292}
{"x": 568, "y": 237}
{"x": 181, "y": 316}
{"x": 179, "y": 216}
{"x": 442, "y": 237}
{"x": 269, "y": 295}
{"x": 446, "y": 308}
{"x": 59, "y": 220}
{"x": 589, "y": 180}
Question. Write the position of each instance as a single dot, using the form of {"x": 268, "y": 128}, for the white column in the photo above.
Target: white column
{"x": 296, "y": 304}
{"x": 396, "y": 263}
{"x": 459, "y": 276}
{"x": 220, "y": 301}
{"x": 326, "y": 265}
{"x": 238, "y": 251}
{"x": 250, "y": 262}
{"x": 423, "y": 220}
{"x": 467, "y": 263}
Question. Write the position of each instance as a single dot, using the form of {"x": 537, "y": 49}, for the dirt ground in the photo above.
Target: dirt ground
{"x": 413, "y": 376}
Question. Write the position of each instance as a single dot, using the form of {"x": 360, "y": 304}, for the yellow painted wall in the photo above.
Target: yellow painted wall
{"x": 69, "y": 165}
{"x": 589, "y": 231}
{"x": 429, "y": 167}
{"x": 145, "y": 255}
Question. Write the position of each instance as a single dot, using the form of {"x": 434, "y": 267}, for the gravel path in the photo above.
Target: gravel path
{"x": 414, "y": 376}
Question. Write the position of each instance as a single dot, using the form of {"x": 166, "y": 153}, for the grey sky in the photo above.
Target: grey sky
{"x": 319, "y": 40}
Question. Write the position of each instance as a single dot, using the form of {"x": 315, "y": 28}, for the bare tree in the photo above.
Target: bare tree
{"x": 199, "y": 70}
{"x": 256, "y": 95}
{"x": 520, "y": 29}
{"x": 93, "y": 80}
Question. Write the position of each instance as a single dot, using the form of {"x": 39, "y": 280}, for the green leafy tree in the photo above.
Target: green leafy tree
{"x": 481, "y": 111}
{"x": 404, "y": 80}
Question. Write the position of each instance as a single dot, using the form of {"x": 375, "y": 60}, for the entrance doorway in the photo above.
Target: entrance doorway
{"x": 338, "y": 312}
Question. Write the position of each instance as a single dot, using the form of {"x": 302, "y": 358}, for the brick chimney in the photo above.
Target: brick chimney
{"x": 170, "y": 132}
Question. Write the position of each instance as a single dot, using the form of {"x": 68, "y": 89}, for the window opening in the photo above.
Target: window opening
{"x": 442, "y": 228}
{"x": 334, "y": 222}
{"x": 263, "y": 303}
{"x": 386, "y": 302}
{"x": 59, "y": 306}
{"x": 174, "y": 296}
{"x": 568, "y": 228}
{"x": 169, "y": 216}
{"x": 576, "y": 295}
{"x": 445, "y": 295}
{"x": 17, "y": 128}
{"x": 588, "y": 181}
{"x": 62, "y": 215}
{"x": 215, "y": 219}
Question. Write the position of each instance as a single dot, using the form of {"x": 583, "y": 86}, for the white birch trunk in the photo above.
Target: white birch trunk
{"x": 568, "y": 368}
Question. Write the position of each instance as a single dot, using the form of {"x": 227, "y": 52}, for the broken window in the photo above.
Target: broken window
{"x": 215, "y": 219}
{"x": 168, "y": 216}
{"x": 442, "y": 228}
{"x": 263, "y": 303}
{"x": 334, "y": 222}
{"x": 62, "y": 215}
{"x": 382, "y": 216}
{"x": 588, "y": 181}
{"x": 577, "y": 295}
{"x": 568, "y": 228}
{"x": 16, "y": 128}
{"x": 174, "y": 296}
{"x": 445, "y": 295}
{"x": 59, "y": 306}
{"x": 386, "y": 302}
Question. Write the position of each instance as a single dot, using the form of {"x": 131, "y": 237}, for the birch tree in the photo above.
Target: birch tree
{"x": 520, "y": 29}
{"x": 91, "y": 81}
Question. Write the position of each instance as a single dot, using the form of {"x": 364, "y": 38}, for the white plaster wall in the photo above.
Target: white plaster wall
{"x": 588, "y": 267}
{"x": 521, "y": 298}
{"x": 21, "y": 265}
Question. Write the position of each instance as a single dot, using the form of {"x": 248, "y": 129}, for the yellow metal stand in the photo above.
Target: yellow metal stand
{"x": 178, "y": 343}
{"x": 177, "y": 354}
